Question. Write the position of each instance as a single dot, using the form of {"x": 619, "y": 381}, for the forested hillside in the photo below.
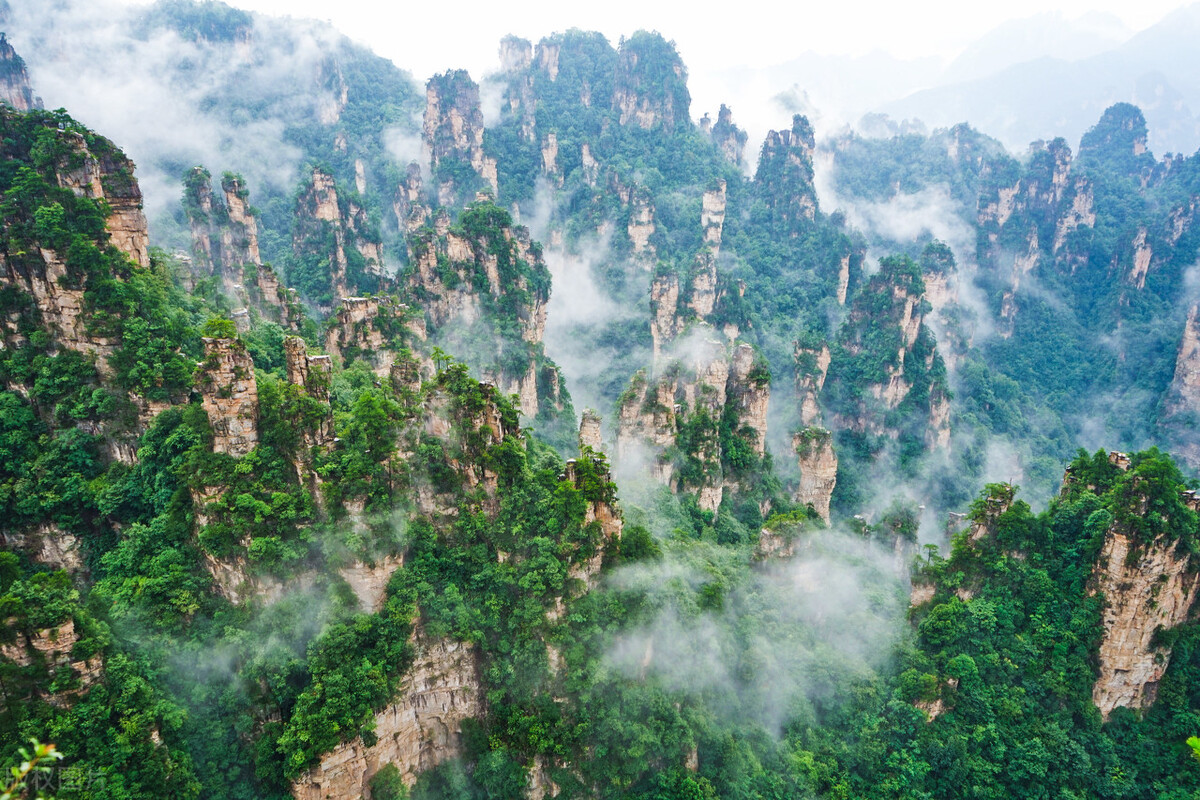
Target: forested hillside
{"x": 589, "y": 449}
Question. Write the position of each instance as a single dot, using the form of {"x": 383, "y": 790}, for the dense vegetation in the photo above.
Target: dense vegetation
{"x": 184, "y": 619}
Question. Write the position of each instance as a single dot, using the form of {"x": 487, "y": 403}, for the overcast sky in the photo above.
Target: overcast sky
{"x": 429, "y": 37}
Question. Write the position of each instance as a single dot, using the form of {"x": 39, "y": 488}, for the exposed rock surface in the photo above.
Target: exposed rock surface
{"x": 1182, "y": 405}
{"x": 728, "y": 138}
{"x": 647, "y": 92}
{"x": 15, "y": 89}
{"x": 712, "y": 215}
{"x": 366, "y": 327}
{"x": 321, "y": 210}
{"x": 818, "y": 469}
{"x": 785, "y": 173}
{"x": 52, "y": 648}
{"x": 103, "y": 173}
{"x": 419, "y": 730}
{"x": 1147, "y": 588}
{"x": 229, "y": 394}
{"x": 453, "y": 130}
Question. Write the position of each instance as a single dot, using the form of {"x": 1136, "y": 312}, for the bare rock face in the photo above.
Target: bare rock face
{"x": 361, "y": 326}
{"x": 728, "y": 138}
{"x": 107, "y": 175}
{"x": 641, "y": 226}
{"x": 1182, "y": 403}
{"x": 751, "y": 391}
{"x": 664, "y": 303}
{"x": 312, "y": 374}
{"x": 321, "y": 210}
{"x": 818, "y": 469}
{"x": 225, "y": 235}
{"x": 1147, "y": 588}
{"x": 59, "y": 301}
{"x": 812, "y": 365}
{"x": 785, "y": 173}
{"x": 712, "y": 215}
{"x": 276, "y": 301}
{"x": 409, "y": 203}
{"x": 229, "y": 394}
{"x": 1082, "y": 213}
{"x": 1142, "y": 255}
{"x": 419, "y": 730}
{"x": 550, "y": 157}
{"x": 646, "y": 427}
{"x": 647, "y": 92}
{"x": 589, "y": 431}
{"x": 369, "y": 580}
{"x": 52, "y": 647}
{"x": 454, "y": 129}
{"x": 15, "y": 89}
{"x": 46, "y": 544}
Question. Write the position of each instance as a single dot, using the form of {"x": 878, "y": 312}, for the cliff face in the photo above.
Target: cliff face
{"x": 1149, "y": 586}
{"x": 106, "y": 175}
{"x": 1146, "y": 588}
{"x": 453, "y": 131}
{"x": 1182, "y": 404}
{"x": 59, "y": 302}
{"x": 694, "y": 392}
{"x": 229, "y": 394}
{"x": 887, "y": 346}
{"x": 727, "y": 137}
{"x": 15, "y": 89}
{"x": 224, "y": 234}
{"x": 371, "y": 328}
{"x": 337, "y": 250}
{"x": 818, "y": 469}
{"x": 52, "y": 647}
{"x": 419, "y": 730}
{"x": 650, "y": 86}
{"x": 785, "y": 173}
{"x": 479, "y": 283}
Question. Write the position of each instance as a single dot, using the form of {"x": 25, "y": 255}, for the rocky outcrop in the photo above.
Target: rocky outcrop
{"x": 812, "y": 365}
{"x": 818, "y": 469}
{"x": 1081, "y": 213}
{"x": 641, "y": 226}
{"x": 1142, "y": 256}
{"x": 589, "y": 431}
{"x": 707, "y": 379}
{"x": 321, "y": 211}
{"x": 369, "y": 580}
{"x": 453, "y": 130}
{"x": 750, "y": 389}
{"x": 785, "y": 173}
{"x": 1182, "y": 404}
{"x": 15, "y": 89}
{"x": 886, "y": 336}
{"x": 650, "y": 85}
{"x": 550, "y": 158}
{"x": 712, "y": 216}
{"x": 1147, "y": 588}
{"x": 727, "y": 137}
{"x": 225, "y": 237}
{"x": 102, "y": 173}
{"x": 371, "y": 328}
{"x": 313, "y": 375}
{"x": 59, "y": 302}
{"x": 229, "y": 394}
{"x": 46, "y": 544}
{"x": 51, "y": 648}
{"x": 409, "y": 203}
{"x": 419, "y": 730}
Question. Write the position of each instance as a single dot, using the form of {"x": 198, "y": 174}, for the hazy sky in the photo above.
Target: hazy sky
{"x": 430, "y": 37}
